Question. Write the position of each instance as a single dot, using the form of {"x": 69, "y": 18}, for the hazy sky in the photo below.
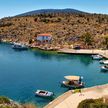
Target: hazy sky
{"x": 14, "y": 7}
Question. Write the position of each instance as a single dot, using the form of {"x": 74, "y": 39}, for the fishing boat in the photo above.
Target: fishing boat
{"x": 97, "y": 57}
{"x": 104, "y": 62}
{"x": 43, "y": 93}
{"x": 73, "y": 82}
{"x": 19, "y": 46}
{"x": 104, "y": 68}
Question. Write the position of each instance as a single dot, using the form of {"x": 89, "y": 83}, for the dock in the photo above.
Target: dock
{"x": 103, "y": 53}
{"x": 72, "y": 100}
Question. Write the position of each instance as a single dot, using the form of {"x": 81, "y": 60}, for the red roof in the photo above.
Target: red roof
{"x": 49, "y": 35}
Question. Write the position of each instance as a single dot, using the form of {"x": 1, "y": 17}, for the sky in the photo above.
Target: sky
{"x": 15, "y": 7}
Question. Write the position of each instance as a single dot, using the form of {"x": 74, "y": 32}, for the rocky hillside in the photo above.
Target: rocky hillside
{"x": 66, "y": 28}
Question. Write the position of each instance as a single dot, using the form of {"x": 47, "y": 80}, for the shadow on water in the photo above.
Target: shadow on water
{"x": 20, "y": 50}
{"x": 104, "y": 71}
{"x": 46, "y": 55}
{"x": 85, "y": 59}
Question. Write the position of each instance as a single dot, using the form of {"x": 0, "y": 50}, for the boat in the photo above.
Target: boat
{"x": 104, "y": 62}
{"x": 43, "y": 93}
{"x": 97, "y": 57}
{"x": 73, "y": 82}
{"x": 104, "y": 68}
{"x": 19, "y": 46}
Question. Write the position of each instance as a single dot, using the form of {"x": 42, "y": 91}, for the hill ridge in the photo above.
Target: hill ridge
{"x": 46, "y": 11}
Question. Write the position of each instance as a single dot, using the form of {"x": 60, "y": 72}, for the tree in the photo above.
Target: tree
{"x": 87, "y": 38}
{"x": 30, "y": 41}
{"x": 105, "y": 42}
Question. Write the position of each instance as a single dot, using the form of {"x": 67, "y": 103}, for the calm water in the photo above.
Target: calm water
{"x": 23, "y": 72}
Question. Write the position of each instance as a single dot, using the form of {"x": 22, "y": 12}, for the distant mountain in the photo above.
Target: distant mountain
{"x": 46, "y": 11}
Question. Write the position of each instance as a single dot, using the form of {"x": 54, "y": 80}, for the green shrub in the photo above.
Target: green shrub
{"x": 5, "y": 107}
{"x": 86, "y": 103}
{"x": 4, "y": 100}
{"x": 101, "y": 105}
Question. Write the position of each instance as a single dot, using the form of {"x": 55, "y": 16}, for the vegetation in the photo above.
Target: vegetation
{"x": 87, "y": 39}
{"x": 93, "y": 103}
{"x": 66, "y": 28}
{"x": 6, "y": 103}
{"x": 4, "y": 100}
{"x": 105, "y": 42}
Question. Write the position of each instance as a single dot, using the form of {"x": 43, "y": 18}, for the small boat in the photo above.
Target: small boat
{"x": 19, "y": 46}
{"x": 97, "y": 57}
{"x": 43, "y": 93}
{"x": 104, "y": 68}
{"x": 73, "y": 82}
{"x": 104, "y": 62}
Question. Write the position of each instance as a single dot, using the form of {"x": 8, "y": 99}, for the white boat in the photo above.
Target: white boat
{"x": 104, "y": 62}
{"x": 97, "y": 57}
{"x": 73, "y": 82}
{"x": 19, "y": 46}
{"x": 43, "y": 93}
{"x": 104, "y": 68}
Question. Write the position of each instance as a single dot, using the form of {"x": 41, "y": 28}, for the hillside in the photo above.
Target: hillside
{"x": 66, "y": 27}
{"x": 48, "y": 11}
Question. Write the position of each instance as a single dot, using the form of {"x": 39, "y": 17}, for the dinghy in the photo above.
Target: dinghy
{"x": 43, "y": 93}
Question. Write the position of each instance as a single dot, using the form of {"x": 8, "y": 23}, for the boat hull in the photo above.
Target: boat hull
{"x": 96, "y": 57}
{"x": 104, "y": 69}
{"x": 104, "y": 62}
{"x": 16, "y": 48}
{"x": 64, "y": 84}
{"x": 44, "y": 94}
{"x": 19, "y": 47}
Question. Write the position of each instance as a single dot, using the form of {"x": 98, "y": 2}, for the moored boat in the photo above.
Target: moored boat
{"x": 43, "y": 93}
{"x": 97, "y": 57}
{"x": 104, "y": 68}
{"x": 73, "y": 82}
{"x": 104, "y": 62}
{"x": 19, "y": 46}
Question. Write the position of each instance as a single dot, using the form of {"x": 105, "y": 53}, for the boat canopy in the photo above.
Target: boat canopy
{"x": 72, "y": 78}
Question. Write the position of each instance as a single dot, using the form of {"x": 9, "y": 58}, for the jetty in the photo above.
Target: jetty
{"x": 103, "y": 53}
{"x": 72, "y": 100}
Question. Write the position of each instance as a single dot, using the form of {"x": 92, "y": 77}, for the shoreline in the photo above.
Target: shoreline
{"x": 65, "y": 100}
{"x": 103, "y": 53}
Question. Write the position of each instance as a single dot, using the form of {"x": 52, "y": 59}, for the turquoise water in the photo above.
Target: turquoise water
{"x": 23, "y": 72}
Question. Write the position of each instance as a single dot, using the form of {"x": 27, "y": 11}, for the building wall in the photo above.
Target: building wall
{"x": 43, "y": 38}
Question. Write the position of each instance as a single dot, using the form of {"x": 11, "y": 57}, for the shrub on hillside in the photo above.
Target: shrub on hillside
{"x": 4, "y": 100}
{"x": 93, "y": 103}
{"x": 101, "y": 105}
{"x": 86, "y": 103}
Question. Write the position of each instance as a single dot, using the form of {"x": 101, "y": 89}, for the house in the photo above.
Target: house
{"x": 44, "y": 38}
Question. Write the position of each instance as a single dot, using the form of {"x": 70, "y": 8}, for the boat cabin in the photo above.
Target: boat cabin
{"x": 73, "y": 79}
{"x": 73, "y": 82}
